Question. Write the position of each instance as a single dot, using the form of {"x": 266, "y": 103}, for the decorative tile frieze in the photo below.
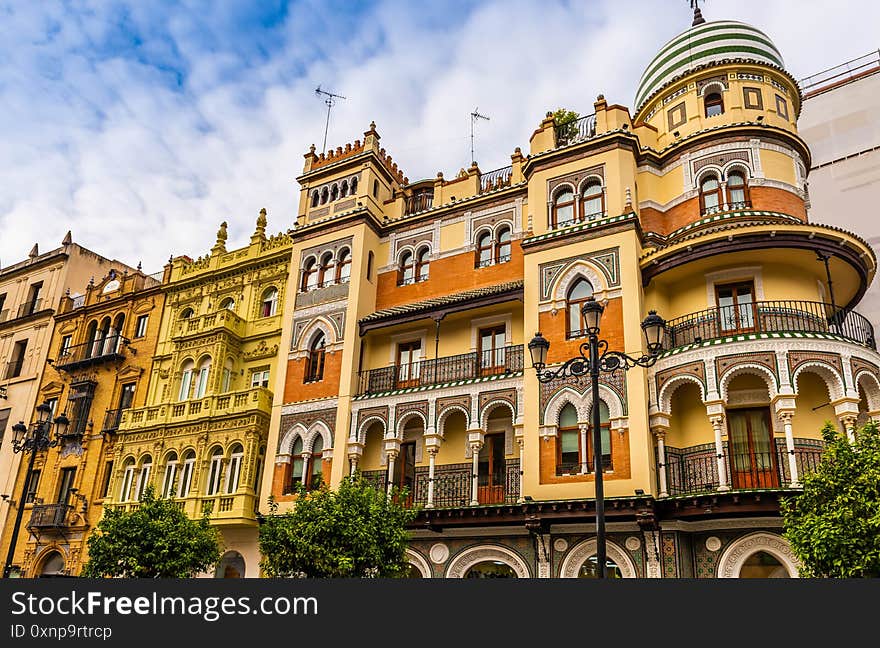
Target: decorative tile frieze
{"x": 607, "y": 260}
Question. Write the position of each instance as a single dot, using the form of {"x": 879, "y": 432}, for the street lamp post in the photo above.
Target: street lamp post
{"x": 32, "y": 441}
{"x": 594, "y": 358}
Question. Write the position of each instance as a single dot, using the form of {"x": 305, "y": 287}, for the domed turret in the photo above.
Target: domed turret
{"x": 705, "y": 44}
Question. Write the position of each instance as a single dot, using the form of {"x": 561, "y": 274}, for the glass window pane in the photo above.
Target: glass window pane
{"x": 568, "y": 416}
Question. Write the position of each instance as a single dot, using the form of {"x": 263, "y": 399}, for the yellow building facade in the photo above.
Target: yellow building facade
{"x": 409, "y": 306}
{"x": 200, "y": 436}
{"x": 99, "y": 365}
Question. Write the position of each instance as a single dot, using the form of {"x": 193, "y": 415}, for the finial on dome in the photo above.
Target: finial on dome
{"x": 698, "y": 15}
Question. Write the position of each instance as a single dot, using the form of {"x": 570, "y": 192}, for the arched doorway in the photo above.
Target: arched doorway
{"x": 763, "y": 565}
{"x": 231, "y": 565}
{"x": 53, "y": 566}
{"x": 490, "y": 569}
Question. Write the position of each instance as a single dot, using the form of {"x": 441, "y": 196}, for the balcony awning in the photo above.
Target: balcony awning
{"x": 438, "y": 307}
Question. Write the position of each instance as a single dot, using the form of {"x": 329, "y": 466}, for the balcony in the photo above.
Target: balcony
{"x": 256, "y": 398}
{"x": 576, "y": 131}
{"x": 694, "y": 470}
{"x": 91, "y": 353}
{"x": 224, "y": 320}
{"x": 13, "y": 368}
{"x": 418, "y": 202}
{"x": 783, "y": 316}
{"x": 496, "y": 179}
{"x": 112, "y": 419}
{"x": 453, "y": 485}
{"x": 467, "y": 366}
{"x": 49, "y": 516}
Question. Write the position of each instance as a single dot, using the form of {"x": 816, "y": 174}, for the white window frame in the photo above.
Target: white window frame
{"x": 127, "y": 479}
{"x": 215, "y": 474}
{"x": 140, "y": 325}
{"x": 233, "y": 472}
{"x": 258, "y": 377}
{"x": 168, "y": 482}
{"x": 143, "y": 479}
{"x": 186, "y": 473}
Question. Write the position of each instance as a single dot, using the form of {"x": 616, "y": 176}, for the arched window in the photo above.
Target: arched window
{"x": 144, "y": 476}
{"x": 592, "y": 201}
{"x": 503, "y": 252}
{"x": 563, "y": 208}
{"x": 215, "y": 472}
{"x": 325, "y": 276}
{"x": 269, "y": 302}
{"x": 171, "y": 464}
{"x": 315, "y": 198}
{"x": 354, "y": 186}
{"x": 226, "y": 380}
{"x": 228, "y": 304}
{"x": 297, "y": 464}
{"x": 568, "y": 442}
{"x": 334, "y": 192}
{"x": 127, "y": 481}
{"x": 343, "y": 192}
{"x": 91, "y": 337}
{"x": 737, "y": 190}
{"x": 422, "y": 262}
{"x": 605, "y": 432}
{"x": 309, "y": 278}
{"x": 343, "y": 266}
{"x": 186, "y": 376}
{"x": 710, "y": 195}
{"x": 202, "y": 377}
{"x": 315, "y": 360}
{"x": 187, "y": 313}
{"x": 316, "y": 478}
{"x": 325, "y": 194}
{"x": 233, "y": 470}
{"x": 577, "y": 295}
{"x": 186, "y": 473}
{"x": 406, "y": 269}
{"x": 714, "y": 104}
{"x": 484, "y": 250}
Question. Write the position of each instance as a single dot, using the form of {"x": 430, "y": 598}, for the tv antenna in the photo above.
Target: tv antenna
{"x": 474, "y": 117}
{"x": 330, "y": 100}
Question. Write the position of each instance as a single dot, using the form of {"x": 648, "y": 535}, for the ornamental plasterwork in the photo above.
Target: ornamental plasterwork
{"x": 262, "y": 350}
{"x": 336, "y": 318}
{"x": 402, "y": 410}
{"x": 797, "y": 358}
{"x": 309, "y": 406}
{"x": 309, "y": 418}
{"x": 469, "y": 557}
{"x": 508, "y": 395}
{"x": 726, "y": 362}
{"x": 575, "y": 179}
{"x": 616, "y": 381}
{"x": 317, "y": 251}
{"x": 696, "y": 369}
{"x": 731, "y": 561}
{"x": 458, "y": 403}
{"x": 606, "y": 260}
{"x": 578, "y": 555}
{"x": 427, "y": 234}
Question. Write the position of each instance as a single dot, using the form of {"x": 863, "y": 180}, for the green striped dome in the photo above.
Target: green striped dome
{"x": 707, "y": 43}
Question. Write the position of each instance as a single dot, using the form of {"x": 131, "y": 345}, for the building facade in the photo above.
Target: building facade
{"x": 30, "y": 292}
{"x": 98, "y": 366}
{"x": 409, "y": 305}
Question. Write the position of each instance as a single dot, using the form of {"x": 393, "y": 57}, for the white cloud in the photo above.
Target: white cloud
{"x": 100, "y": 140}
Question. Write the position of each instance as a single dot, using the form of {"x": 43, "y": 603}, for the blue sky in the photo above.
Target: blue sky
{"x": 140, "y": 126}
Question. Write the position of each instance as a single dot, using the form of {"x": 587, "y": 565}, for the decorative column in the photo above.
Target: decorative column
{"x": 847, "y": 411}
{"x": 432, "y": 445}
{"x": 786, "y": 417}
{"x": 520, "y": 441}
{"x": 849, "y": 424}
{"x": 583, "y": 430}
{"x": 717, "y": 424}
{"x": 392, "y": 455}
{"x": 652, "y": 554}
{"x": 660, "y": 433}
{"x": 305, "y": 474}
{"x": 355, "y": 451}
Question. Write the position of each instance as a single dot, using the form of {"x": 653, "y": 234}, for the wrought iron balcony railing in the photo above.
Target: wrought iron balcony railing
{"x": 46, "y": 516}
{"x": 466, "y": 366}
{"x": 112, "y": 419}
{"x": 781, "y": 316}
{"x": 418, "y": 202}
{"x": 575, "y": 131}
{"x": 97, "y": 351}
{"x": 496, "y": 179}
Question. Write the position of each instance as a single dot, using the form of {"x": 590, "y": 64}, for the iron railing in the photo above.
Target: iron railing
{"x": 840, "y": 73}
{"x": 112, "y": 419}
{"x": 49, "y": 516}
{"x": 466, "y": 366}
{"x": 29, "y": 308}
{"x": 695, "y": 469}
{"x": 496, "y": 179}
{"x": 575, "y": 131}
{"x": 453, "y": 485}
{"x": 80, "y": 355}
{"x": 781, "y": 316}
{"x": 734, "y": 206}
{"x": 13, "y": 368}
{"x": 418, "y": 202}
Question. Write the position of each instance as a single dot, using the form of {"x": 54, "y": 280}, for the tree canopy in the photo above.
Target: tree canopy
{"x": 834, "y": 525}
{"x": 564, "y": 121}
{"x": 355, "y": 531}
{"x": 157, "y": 540}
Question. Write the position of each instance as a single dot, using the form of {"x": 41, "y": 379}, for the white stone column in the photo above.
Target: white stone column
{"x": 847, "y": 411}
{"x": 475, "y": 443}
{"x": 392, "y": 455}
{"x": 652, "y": 554}
{"x": 305, "y": 476}
{"x": 849, "y": 424}
{"x": 717, "y": 424}
{"x": 786, "y": 417}
{"x": 520, "y": 441}
{"x": 355, "y": 451}
{"x": 660, "y": 433}
{"x": 432, "y": 456}
{"x": 584, "y": 429}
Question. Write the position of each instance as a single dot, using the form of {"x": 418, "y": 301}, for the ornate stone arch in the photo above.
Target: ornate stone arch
{"x": 314, "y": 256}
{"x": 483, "y": 228}
{"x": 668, "y": 389}
{"x": 318, "y": 428}
{"x": 400, "y": 423}
{"x": 559, "y": 400}
{"x": 321, "y": 324}
{"x": 872, "y": 394}
{"x": 502, "y": 223}
{"x": 738, "y": 165}
{"x": 576, "y": 270}
{"x": 558, "y": 190}
{"x": 491, "y": 406}
{"x": 285, "y": 446}
{"x": 829, "y": 375}
{"x": 748, "y": 368}
{"x": 589, "y": 178}
{"x": 578, "y": 555}
{"x": 738, "y": 551}
{"x": 712, "y": 85}
{"x": 404, "y": 248}
{"x": 709, "y": 169}
{"x": 40, "y": 559}
{"x": 466, "y": 559}
{"x": 611, "y": 399}
{"x": 418, "y": 561}
{"x": 366, "y": 424}
{"x": 447, "y": 411}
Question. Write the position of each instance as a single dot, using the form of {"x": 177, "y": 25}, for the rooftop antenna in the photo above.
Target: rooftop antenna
{"x": 698, "y": 15}
{"x": 330, "y": 101}
{"x": 474, "y": 117}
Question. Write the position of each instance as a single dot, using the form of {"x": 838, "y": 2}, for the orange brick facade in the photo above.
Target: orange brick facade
{"x": 295, "y": 389}
{"x": 620, "y": 461}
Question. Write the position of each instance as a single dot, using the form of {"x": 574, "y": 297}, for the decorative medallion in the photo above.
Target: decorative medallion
{"x": 713, "y": 543}
{"x": 439, "y": 553}
{"x": 560, "y": 544}
{"x": 633, "y": 543}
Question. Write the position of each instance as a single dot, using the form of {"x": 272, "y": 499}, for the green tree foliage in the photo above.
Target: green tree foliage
{"x": 834, "y": 525}
{"x": 564, "y": 121}
{"x": 356, "y": 531}
{"x": 157, "y": 540}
